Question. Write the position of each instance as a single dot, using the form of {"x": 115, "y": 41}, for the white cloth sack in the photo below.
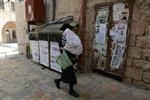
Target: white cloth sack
{"x": 73, "y": 42}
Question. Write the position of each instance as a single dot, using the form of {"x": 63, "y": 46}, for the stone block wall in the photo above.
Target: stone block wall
{"x": 68, "y": 8}
{"x": 21, "y": 27}
{"x": 138, "y": 60}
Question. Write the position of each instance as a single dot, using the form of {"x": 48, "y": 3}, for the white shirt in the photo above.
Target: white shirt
{"x": 73, "y": 42}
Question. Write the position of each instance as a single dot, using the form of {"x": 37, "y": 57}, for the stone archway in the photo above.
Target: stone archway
{"x": 9, "y": 32}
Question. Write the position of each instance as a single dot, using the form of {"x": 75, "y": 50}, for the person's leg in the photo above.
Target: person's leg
{"x": 71, "y": 87}
{"x": 72, "y": 91}
{"x": 57, "y": 82}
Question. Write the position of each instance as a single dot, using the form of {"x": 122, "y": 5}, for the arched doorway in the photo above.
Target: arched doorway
{"x": 14, "y": 36}
{"x": 9, "y": 32}
{"x": 7, "y": 35}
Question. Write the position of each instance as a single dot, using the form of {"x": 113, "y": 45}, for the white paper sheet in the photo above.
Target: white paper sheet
{"x": 101, "y": 36}
{"x": 35, "y": 50}
{"x": 102, "y": 17}
{"x": 44, "y": 59}
{"x": 117, "y": 55}
{"x": 117, "y": 11}
{"x": 54, "y": 53}
{"x": 121, "y": 30}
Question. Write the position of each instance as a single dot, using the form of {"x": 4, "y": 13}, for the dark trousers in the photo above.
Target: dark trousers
{"x": 68, "y": 75}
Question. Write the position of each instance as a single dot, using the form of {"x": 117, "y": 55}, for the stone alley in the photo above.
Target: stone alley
{"x": 21, "y": 79}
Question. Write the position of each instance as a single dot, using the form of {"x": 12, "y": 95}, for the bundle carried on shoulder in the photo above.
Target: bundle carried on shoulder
{"x": 73, "y": 42}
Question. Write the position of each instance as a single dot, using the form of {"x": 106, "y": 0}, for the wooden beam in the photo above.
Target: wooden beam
{"x": 82, "y": 29}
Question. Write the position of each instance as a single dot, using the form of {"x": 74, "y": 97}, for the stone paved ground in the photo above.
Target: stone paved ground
{"x": 21, "y": 79}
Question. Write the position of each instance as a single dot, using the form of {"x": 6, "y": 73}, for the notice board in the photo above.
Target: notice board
{"x": 112, "y": 23}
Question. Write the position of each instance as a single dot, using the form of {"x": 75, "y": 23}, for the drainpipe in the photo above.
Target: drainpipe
{"x": 54, "y": 9}
{"x": 82, "y": 29}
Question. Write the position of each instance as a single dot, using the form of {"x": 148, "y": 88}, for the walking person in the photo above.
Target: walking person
{"x": 71, "y": 43}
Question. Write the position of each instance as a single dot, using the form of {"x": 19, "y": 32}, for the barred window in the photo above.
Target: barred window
{"x": 20, "y": 1}
{"x": 2, "y": 4}
{"x": 12, "y": 6}
{"x": 14, "y": 34}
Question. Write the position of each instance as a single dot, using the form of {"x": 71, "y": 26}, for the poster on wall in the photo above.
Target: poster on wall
{"x": 100, "y": 41}
{"x": 125, "y": 14}
{"x": 102, "y": 17}
{"x": 34, "y": 45}
{"x": 121, "y": 29}
{"x": 101, "y": 36}
{"x": 101, "y": 48}
{"x": 118, "y": 8}
{"x": 117, "y": 55}
{"x": 119, "y": 32}
{"x": 54, "y": 53}
{"x": 44, "y": 59}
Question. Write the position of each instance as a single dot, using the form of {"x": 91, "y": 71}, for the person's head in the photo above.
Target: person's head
{"x": 65, "y": 26}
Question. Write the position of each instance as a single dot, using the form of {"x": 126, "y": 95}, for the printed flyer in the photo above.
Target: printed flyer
{"x": 44, "y": 59}
{"x": 117, "y": 55}
{"x": 54, "y": 53}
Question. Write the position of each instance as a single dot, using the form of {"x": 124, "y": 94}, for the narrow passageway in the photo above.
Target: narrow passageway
{"x": 21, "y": 79}
{"x": 7, "y": 49}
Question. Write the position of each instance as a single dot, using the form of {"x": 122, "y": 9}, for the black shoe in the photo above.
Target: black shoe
{"x": 74, "y": 93}
{"x": 57, "y": 83}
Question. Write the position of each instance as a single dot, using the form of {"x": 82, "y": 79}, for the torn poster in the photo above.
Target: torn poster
{"x": 101, "y": 36}
{"x": 119, "y": 32}
{"x": 54, "y": 48}
{"x": 117, "y": 11}
{"x": 121, "y": 29}
{"x": 117, "y": 55}
{"x": 54, "y": 53}
{"x": 35, "y": 50}
{"x": 102, "y": 17}
{"x": 113, "y": 33}
{"x": 125, "y": 14}
{"x": 102, "y": 49}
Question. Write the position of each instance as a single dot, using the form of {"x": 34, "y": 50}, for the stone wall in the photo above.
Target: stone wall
{"x": 68, "y": 8}
{"x": 21, "y": 27}
{"x": 138, "y": 61}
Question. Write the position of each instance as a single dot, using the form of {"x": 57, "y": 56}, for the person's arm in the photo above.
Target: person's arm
{"x": 62, "y": 42}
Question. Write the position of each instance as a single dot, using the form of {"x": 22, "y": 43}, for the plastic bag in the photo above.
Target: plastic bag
{"x": 64, "y": 61}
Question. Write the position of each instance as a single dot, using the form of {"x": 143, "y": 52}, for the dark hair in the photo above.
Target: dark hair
{"x": 65, "y": 26}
